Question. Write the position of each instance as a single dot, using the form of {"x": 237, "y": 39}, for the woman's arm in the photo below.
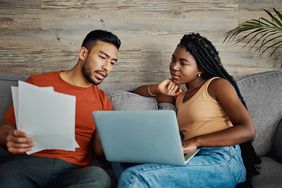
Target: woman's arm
{"x": 243, "y": 130}
{"x": 166, "y": 91}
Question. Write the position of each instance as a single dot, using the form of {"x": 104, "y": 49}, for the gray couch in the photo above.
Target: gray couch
{"x": 262, "y": 93}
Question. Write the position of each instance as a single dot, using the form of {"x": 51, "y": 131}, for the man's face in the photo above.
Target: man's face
{"x": 99, "y": 62}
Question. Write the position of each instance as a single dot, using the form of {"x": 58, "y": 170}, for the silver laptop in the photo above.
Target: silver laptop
{"x": 141, "y": 137}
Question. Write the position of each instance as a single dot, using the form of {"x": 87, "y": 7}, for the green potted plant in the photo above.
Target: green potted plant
{"x": 262, "y": 34}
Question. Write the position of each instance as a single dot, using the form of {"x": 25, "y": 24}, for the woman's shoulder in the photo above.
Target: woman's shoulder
{"x": 217, "y": 81}
{"x": 218, "y": 86}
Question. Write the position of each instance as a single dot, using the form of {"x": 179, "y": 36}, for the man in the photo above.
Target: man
{"x": 60, "y": 168}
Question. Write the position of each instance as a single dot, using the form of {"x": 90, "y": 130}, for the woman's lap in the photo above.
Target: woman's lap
{"x": 211, "y": 167}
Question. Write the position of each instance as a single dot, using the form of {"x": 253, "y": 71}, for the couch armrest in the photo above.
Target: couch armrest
{"x": 277, "y": 142}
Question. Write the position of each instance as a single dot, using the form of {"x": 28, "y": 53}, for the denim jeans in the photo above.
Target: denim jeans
{"x": 216, "y": 167}
{"x": 31, "y": 171}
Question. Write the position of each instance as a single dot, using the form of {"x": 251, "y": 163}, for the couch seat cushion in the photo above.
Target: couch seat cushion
{"x": 270, "y": 174}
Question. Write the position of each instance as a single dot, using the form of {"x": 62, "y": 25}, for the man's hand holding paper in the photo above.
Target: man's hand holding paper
{"x": 46, "y": 116}
{"x": 19, "y": 142}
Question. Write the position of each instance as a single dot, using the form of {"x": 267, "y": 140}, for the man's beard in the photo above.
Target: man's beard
{"x": 88, "y": 75}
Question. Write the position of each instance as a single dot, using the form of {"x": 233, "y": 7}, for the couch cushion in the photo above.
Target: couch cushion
{"x": 263, "y": 95}
{"x": 270, "y": 174}
{"x": 6, "y": 81}
{"x": 122, "y": 86}
{"x": 167, "y": 106}
{"x": 277, "y": 143}
{"x": 124, "y": 100}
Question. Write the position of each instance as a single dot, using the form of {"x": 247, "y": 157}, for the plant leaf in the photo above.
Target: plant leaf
{"x": 268, "y": 41}
{"x": 277, "y": 47}
{"x": 263, "y": 35}
{"x": 269, "y": 22}
{"x": 263, "y": 41}
{"x": 261, "y": 31}
{"x": 271, "y": 46}
{"x": 257, "y": 31}
{"x": 248, "y": 25}
{"x": 273, "y": 18}
{"x": 278, "y": 14}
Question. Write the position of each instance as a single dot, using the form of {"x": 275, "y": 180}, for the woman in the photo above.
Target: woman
{"x": 212, "y": 115}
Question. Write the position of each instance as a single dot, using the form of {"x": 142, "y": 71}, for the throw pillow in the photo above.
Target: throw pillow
{"x": 124, "y": 100}
{"x": 167, "y": 106}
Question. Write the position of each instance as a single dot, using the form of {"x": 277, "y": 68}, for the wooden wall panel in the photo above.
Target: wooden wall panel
{"x": 43, "y": 35}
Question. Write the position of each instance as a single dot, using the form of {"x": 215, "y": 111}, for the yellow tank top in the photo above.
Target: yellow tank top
{"x": 201, "y": 114}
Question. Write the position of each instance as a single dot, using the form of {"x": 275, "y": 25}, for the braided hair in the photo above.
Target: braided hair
{"x": 208, "y": 60}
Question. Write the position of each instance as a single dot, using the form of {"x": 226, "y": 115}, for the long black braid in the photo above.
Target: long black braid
{"x": 208, "y": 60}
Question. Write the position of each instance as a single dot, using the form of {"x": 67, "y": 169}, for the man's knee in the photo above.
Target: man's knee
{"x": 92, "y": 176}
{"x": 102, "y": 178}
{"x": 11, "y": 177}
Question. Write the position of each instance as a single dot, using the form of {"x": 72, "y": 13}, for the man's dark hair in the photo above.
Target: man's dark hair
{"x": 100, "y": 35}
{"x": 209, "y": 62}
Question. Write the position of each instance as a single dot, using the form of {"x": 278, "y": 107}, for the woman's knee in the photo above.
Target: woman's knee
{"x": 129, "y": 178}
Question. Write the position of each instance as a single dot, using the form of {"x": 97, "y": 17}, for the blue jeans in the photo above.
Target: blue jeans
{"x": 31, "y": 171}
{"x": 216, "y": 167}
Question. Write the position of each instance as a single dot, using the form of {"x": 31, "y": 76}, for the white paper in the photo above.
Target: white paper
{"x": 46, "y": 116}
{"x": 15, "y": 96}
{"x": 15, "y": 102}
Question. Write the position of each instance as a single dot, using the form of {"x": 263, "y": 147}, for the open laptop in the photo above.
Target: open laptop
{"x": 141, "y": 137}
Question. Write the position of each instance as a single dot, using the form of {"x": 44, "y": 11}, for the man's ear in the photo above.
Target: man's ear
{"x": 83, "y": 52}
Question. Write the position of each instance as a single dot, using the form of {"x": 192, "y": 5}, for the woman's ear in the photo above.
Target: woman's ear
{"x": 83, "y": 52}
{"x": 200, "y": 72}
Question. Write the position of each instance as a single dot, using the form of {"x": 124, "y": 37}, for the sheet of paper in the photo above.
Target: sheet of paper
{"x": 15, "y": 101}
{"x": 15, "y": 96}
{"x": 48, "y": 117}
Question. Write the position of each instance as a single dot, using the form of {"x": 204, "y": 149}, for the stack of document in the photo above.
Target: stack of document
{"x": 46, "y": 116}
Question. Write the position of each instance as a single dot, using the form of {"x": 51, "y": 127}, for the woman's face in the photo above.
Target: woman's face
{"x": 183, "y": 66}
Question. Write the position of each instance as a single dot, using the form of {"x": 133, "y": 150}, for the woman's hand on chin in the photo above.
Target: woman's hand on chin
{"x": 168, "y": 87}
